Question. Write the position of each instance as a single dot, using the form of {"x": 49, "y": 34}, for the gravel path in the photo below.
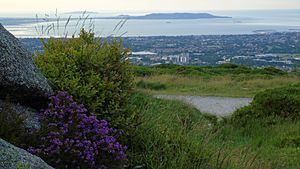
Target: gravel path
{"x": 220, "y": 106}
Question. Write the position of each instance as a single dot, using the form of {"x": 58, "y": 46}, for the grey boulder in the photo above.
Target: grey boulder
{"x": 30, "y": 116}
{"x": 12, "y": 157}
{"x": 19, "y": 77}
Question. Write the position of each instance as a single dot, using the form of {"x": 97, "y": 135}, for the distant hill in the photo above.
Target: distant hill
{"x": 168, "y": 16}
{"x": 154, "y": 16}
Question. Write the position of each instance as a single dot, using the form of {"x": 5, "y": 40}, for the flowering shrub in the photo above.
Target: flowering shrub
{"x": 74, "y": 138}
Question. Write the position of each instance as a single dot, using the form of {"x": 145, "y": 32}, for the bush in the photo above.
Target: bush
{"x": 151, "y": 85}
{"x": 73, "y": 138}
{"x": 223, "y": 69}
{"x": 143, "y": 71}
{"x": 282, "y": 103}
{"x": 168, "y": 66}
{"x": 95, "y": 71}
{"x": 11, "y": 125}
{"x": 273, "y": 71}
{"x": 229, "y": 66}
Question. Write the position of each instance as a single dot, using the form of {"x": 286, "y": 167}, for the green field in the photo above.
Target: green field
{"x": 211, "y": 81}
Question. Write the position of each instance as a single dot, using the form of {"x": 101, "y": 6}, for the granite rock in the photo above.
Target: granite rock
{"x": 30, "y": 115}
{"x": 19, "y": 77}
{"x": 12, "y": 157}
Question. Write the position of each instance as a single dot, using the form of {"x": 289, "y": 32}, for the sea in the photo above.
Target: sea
{"x": 241, "y": 22}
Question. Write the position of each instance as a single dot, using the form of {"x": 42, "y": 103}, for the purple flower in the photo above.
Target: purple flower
{"x": 76, "y": 138}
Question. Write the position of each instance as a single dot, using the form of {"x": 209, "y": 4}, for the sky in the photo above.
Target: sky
{"x": 35, "y": 6}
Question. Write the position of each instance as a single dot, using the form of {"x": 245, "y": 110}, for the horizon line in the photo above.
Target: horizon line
{"x": 153, "y": 11}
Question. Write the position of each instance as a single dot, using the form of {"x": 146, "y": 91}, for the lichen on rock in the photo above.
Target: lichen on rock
{"x": 12, "y": 157}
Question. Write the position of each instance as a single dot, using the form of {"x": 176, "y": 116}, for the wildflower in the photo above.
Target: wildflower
{"x": 76, "y": 138}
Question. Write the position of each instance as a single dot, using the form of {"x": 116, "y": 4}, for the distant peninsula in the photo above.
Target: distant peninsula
{"x": 152, "y": 16}
{"x": 155, "y": 16}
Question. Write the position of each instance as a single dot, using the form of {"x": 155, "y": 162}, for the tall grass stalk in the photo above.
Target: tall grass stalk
{"x": 59, "y": 27}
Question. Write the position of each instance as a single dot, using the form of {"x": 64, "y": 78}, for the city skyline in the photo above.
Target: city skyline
{"x": 143, "y": 5}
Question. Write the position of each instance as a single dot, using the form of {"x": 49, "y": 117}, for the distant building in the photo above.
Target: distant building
{"x": 144, "y": 58}
{"x": 143, "y": 53}
{"x": 179, "y": 59}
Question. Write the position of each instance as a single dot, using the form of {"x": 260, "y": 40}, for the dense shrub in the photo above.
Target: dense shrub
{"x": 143, "y": 71}
{"x": 167, "y": 66}
{"x": 229, "y": 66}
{"x": 73, "y": 138}
{"x": 282, "y": 103}
{"x": 11, "y": 125}
{"x": 151, "y": 85}
{"x": 273, "y": 71}
{"x": 223, "y": 69}
{"x": 95, "y": 71}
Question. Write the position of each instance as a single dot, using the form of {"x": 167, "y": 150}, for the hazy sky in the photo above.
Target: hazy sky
{"x": 143, "y": 5}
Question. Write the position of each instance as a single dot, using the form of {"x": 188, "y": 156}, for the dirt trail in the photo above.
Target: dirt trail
{"x": 220, "y": 106}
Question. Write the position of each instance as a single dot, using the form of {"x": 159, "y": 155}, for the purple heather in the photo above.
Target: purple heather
{"x": 76, "y": 138}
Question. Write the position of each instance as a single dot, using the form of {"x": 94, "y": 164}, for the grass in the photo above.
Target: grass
{"x": 175, "y": 135}
{"x": 272, "y": 145}
{"x": 168, "y": 136}
{"x": 227, "y": 85}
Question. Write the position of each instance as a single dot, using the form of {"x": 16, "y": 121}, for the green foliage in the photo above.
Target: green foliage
{"x": 272, "y": 104}
{"x": 143, "y": 71}
{"x": 290, "y": 141}
{"x": 273, "y": 71}
{"x": 283, "y": 102}
{"x": 11, "y": 125}
{"x": 168, "y": 66}
{"x": 229, "y": 66}
{"x": 22, "y": 165}
{"x": 95, "y": 71}
{"x": 223, "y": 69}
{"x": 149, "y": 85}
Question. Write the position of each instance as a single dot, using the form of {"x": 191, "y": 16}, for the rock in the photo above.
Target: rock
{"x": 19, "y": 77}
{"x": 30, "y": 116}
{"x": 12, "y": 157}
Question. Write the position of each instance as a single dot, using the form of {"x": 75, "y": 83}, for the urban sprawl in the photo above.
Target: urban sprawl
{"x": 281, "y": 50}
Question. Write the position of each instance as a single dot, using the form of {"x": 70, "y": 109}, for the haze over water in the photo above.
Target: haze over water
{"x": 242, "y": 22}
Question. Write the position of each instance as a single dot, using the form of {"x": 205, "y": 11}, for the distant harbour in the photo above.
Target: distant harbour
{"x": 294, "y": 30}
{"x": 265, "y": 31}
